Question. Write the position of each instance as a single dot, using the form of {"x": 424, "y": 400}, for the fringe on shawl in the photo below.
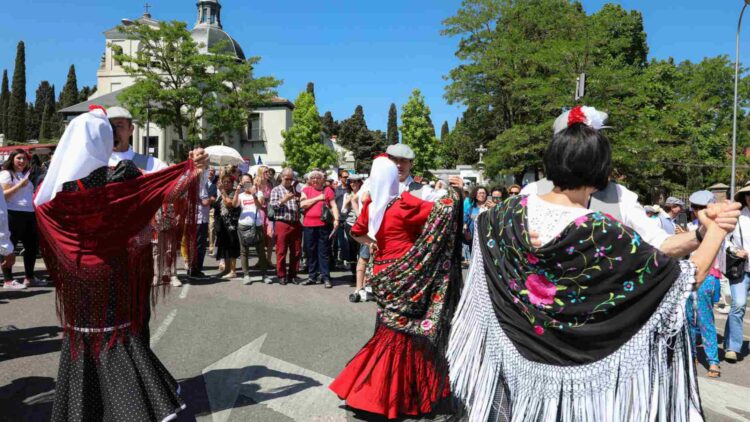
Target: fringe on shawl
{"x": 120, "y": 290}
{"x": 651, "y": 377}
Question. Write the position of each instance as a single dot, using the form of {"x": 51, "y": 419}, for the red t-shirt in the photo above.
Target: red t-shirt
{"x": 402, "y": 224}
{"x": 312, "y": 215}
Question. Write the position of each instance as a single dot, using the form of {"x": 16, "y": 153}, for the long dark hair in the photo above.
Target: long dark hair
{"x": 474, "y": 192}
{"x": 8, "y": 164}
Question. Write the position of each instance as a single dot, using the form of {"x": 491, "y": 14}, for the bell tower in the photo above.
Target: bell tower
{"x": 209, "y": 13}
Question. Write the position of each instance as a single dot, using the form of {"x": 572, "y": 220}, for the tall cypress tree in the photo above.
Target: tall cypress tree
{"x": 392, "y": 125}
{"x": 360, "y": 141}
{"x": 33, "y": 121}
{"x": 69, "y": 94}
{"x": 444, "y": 131}
{"x": 329, "y": 126}
{"x": 46, "y": 128}
{"x": 311, "y": 89}
{"x": 4, "y": 99}
{"x": 43, "y": 92}
{"x": 17, "y": 104}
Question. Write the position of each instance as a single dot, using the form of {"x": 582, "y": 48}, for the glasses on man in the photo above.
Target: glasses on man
{"x": 514, "y": 192}
{"x": 497, "y": 198}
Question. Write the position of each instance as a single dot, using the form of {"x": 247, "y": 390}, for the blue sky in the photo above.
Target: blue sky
{"x": 363, "y": 52}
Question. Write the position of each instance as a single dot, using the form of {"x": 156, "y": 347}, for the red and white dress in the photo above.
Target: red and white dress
{"x": 391, "y": 375}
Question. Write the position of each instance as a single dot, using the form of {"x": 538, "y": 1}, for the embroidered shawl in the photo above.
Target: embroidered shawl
{"x": 577, "y": 330}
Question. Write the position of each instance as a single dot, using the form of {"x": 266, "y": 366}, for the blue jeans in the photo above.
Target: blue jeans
{"x": 317, "y": 246}
{"x": 733, "y": 330}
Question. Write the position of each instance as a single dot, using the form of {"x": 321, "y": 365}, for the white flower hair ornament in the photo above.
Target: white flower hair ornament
{"x": 580, "y": 114}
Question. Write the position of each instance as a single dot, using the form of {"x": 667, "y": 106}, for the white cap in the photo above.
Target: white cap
{"x": 118, "y": 113}
{"x": 400, "y": 151}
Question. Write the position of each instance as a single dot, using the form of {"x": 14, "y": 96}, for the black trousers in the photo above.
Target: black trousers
{"x": 22, "y": 225}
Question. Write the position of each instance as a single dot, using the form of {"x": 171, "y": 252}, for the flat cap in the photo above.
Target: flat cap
{"x": 674, "y": 201}
{"x": 651, "y": 209}
{"x": 702, "y": 198}
{"x": 400, "y": 151}
{"x": 118, "y": 113}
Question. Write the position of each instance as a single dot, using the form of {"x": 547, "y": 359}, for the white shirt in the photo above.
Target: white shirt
{"x": 153, "y": 164}
{"x": 6, "y": 246}
{"x": 550, "y": 219}
{"x": 22, "y": 199}
{"x": 249, "y": 214}
{"x": 740, "y": 237}
{"x": 632, "y": 213}
{"x": 427, "y": 193}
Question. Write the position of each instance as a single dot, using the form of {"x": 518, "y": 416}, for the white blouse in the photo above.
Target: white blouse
{"x": 550, "y": 219}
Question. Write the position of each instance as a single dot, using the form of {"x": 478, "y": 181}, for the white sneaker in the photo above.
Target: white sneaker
{"x": 13, "y": 285}
{"x": 175, "y": 282}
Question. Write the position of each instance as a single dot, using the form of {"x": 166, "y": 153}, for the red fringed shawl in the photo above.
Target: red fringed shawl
{"x": 97, "y": 245}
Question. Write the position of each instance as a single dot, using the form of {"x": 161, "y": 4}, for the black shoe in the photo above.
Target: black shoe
{"x": 354, "y": 297}
{"x": 294, "y": 280}
{"x": 282, "y": 281}
{"x": 309, "y": 282}
{"x": 328, "y": 284}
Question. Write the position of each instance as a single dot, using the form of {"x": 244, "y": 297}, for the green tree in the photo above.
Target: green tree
{"x": 446, "y": 155}
{"x": 47, "y": 129}
{"x": 4, "y": 100}
{"x": 417, "y": 132}
{"x": 190, "y": 88}
{"x": 303, "y": 145}
{"x": 310, "y": 88}
{"x": 329, "y": 126}
{"x": 32, "y": 122}
{"x": 392, "y": 125}
{"x": 357, "y": 138}
{"x": 86, "y": 92}
{"x": 17, "y": 103}
{"x": 69, "y": 93}
{"x": 233, "y": 91}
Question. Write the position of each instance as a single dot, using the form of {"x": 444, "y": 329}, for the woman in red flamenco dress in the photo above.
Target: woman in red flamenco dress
{"x": 402, "y": 369}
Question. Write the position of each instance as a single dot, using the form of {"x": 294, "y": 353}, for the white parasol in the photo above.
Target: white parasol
{"x": 223, "y": 155}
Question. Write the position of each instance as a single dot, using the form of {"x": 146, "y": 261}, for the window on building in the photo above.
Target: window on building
{"x": 152, "y": 145}
{"x": 254, "y": 128}
{"x": 213, "y": 17}
{"x": 204, "y": 13}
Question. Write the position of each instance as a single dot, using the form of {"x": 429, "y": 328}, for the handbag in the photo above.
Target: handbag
{"x": 735, "y": 265}
{"x": 326, "y": 215}
{"x": 250, "y": 235}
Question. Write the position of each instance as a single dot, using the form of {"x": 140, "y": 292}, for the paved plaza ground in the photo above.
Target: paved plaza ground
{"x": 248, "y": 353}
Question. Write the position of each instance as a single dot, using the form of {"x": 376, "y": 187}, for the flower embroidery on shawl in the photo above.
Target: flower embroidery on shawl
{"x": 447, "y": 201}
{"x": 540, "y": 290}
{"x": 426, "y": 325}
{"x": 628, "y": 286}
{"x": 581, "y": 221}
{"x": 533, "y": 260}
{"x": 538, "y": 330}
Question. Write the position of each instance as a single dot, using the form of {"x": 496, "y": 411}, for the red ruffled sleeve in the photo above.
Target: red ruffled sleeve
{"x": 361, "y": 226}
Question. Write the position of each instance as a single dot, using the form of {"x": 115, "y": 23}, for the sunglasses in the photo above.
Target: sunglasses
{"x": 497, "y": 198}
{"x": 513, "y": 192}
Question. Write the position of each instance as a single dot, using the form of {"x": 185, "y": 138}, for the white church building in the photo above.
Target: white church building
{"x": 259, "y": 142}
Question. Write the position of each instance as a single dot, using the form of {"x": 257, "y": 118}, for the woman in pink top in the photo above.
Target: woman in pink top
{"x": 317, "y": 233}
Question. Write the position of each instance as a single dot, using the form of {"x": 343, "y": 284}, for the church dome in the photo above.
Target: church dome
{"x": 209, "y": 36}
{"x": 209, "y": 32}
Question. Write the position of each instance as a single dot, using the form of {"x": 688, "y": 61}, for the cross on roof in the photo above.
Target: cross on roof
{"x": 147, "y": 8}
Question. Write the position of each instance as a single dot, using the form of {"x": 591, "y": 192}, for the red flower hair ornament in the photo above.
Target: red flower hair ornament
{"x": 580, "y": 114}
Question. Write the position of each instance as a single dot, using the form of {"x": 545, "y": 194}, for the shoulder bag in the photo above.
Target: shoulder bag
{"x": 735, "y": 265}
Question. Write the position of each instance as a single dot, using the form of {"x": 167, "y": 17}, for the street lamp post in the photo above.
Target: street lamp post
{"x": 733, "y": 184}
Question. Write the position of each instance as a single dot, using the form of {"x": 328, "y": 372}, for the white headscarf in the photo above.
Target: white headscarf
{"x": 84, "y": 147}
{"x": 384, "y": 186}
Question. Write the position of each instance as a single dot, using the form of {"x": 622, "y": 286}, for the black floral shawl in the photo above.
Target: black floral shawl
{"x": 578, "y": 298}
